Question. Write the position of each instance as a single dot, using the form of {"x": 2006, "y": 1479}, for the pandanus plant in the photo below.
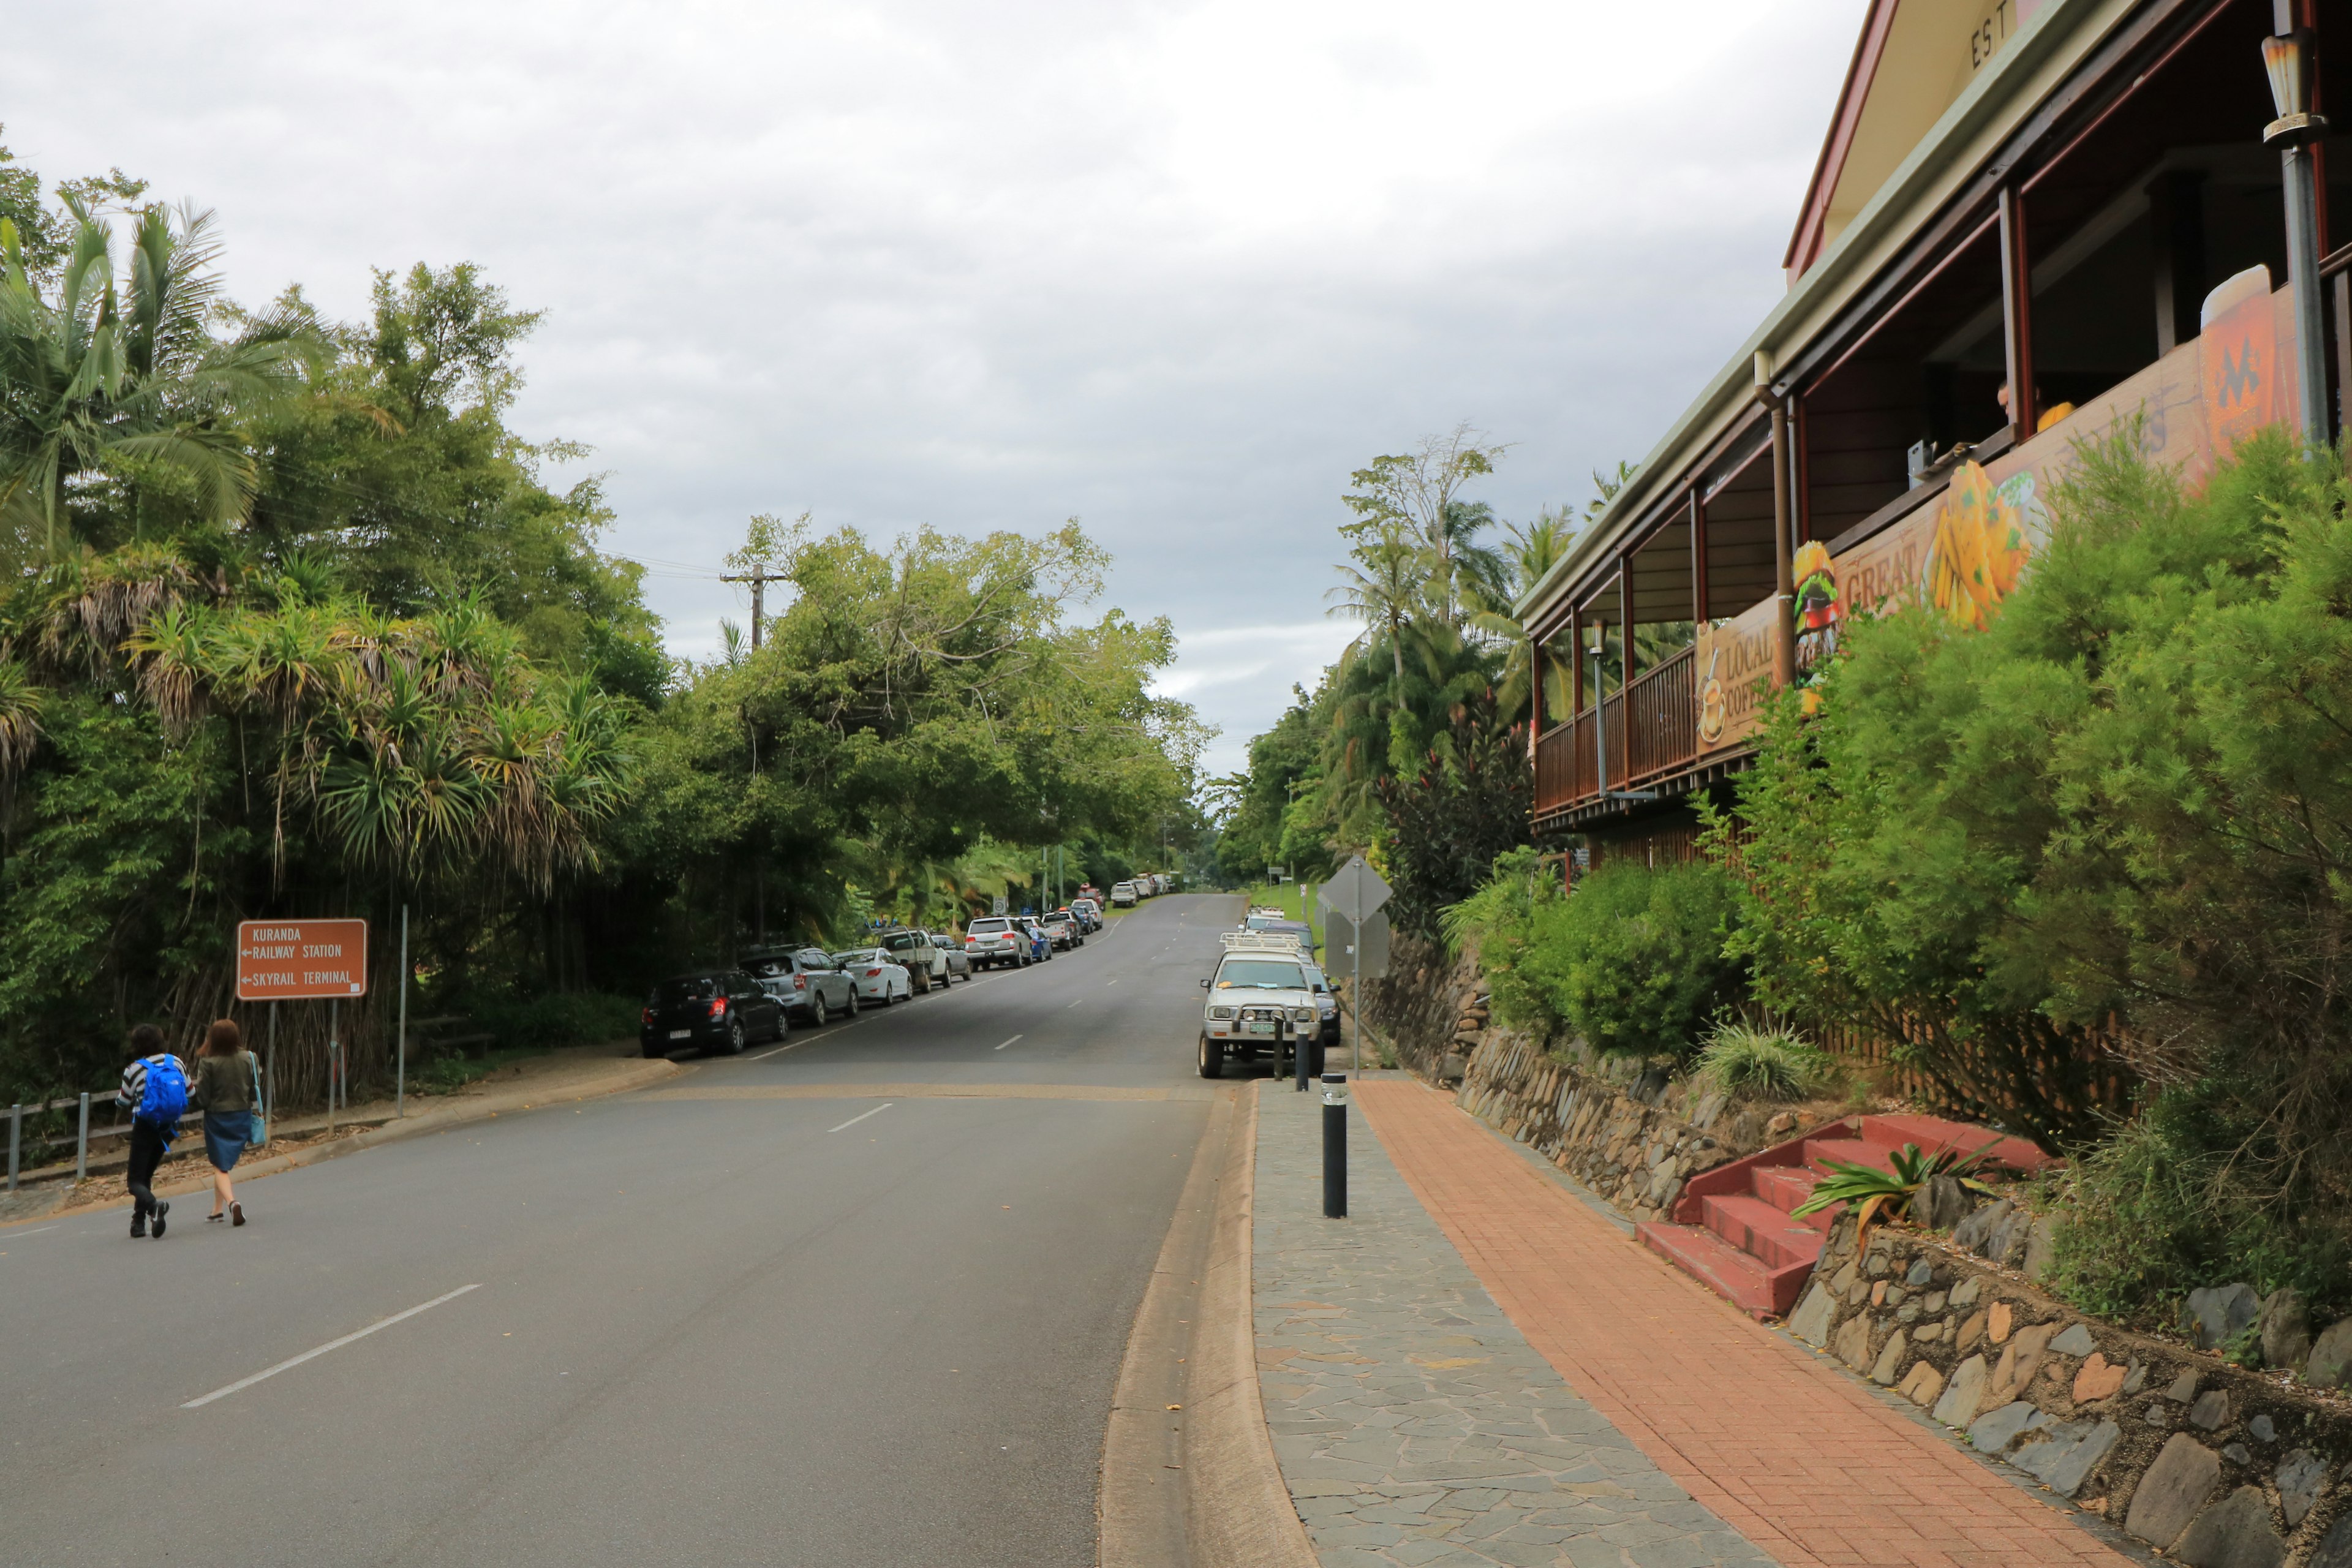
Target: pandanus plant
{"x": 1874, "y": 1192}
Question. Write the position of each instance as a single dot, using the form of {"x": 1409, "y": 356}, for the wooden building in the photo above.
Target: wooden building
{"x": 2069, "y": 199}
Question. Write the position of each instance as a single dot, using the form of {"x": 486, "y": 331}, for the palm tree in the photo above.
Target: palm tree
{"x": 110, "y": 376}
{"x": 1384, "y": 589}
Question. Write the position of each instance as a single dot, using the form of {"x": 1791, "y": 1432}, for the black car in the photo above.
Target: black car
{"x": 713, "y": 1010}
{"x": 805, "y": 980}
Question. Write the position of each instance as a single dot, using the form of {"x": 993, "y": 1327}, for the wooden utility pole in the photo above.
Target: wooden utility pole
{"x": 758, "y": 577}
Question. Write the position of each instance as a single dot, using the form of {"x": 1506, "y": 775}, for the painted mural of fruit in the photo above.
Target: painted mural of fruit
{"x": 1817, "y": 585}
{"x": 1982, "y": 545}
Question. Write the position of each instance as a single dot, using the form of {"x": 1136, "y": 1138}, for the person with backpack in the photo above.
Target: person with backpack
{"x": 155, "y": 1087}
{"x": 228, "y": 1080}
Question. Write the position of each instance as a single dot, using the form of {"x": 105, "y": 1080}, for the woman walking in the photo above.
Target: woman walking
{"x": 226, "y": 1077}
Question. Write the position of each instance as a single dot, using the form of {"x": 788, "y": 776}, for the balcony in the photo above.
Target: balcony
{"x": 1651, "y": 733}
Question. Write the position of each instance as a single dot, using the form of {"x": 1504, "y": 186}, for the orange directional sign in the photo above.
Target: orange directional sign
{"x": 298, "y": 960}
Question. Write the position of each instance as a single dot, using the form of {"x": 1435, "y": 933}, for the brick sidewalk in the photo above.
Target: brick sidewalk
{"x": 1784, "y": 1448}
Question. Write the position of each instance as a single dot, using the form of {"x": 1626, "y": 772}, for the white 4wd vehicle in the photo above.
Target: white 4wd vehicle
{"x": 1123, "y": 895}
{"x": 1262, "y": 1002}
{"x": 914, "y": 951}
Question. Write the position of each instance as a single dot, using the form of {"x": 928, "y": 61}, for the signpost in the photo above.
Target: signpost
{"x": 304, "y": 960}
{"x": 1355, "y": 894}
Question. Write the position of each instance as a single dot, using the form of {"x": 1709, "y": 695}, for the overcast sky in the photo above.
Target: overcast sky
{"x": 1173, "y": 268}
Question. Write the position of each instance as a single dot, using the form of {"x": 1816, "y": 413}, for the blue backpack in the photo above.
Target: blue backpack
{"x": 165, "y": 1098}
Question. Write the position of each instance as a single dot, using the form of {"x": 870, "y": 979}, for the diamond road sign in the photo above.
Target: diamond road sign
{"x": 1354, "y": 891}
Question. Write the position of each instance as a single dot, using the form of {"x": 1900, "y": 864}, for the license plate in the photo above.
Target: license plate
{"x": 1261, "y": 1028}
{"x": 681, "y": 1034}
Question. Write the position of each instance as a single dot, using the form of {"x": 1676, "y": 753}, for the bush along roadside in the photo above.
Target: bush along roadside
{"x": 2177, "y": 1447}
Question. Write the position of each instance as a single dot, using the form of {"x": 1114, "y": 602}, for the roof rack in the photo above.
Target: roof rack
{"x": 1288, "y": 941}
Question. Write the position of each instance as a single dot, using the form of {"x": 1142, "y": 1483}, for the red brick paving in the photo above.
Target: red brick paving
{"x": 1787, "y": 1448}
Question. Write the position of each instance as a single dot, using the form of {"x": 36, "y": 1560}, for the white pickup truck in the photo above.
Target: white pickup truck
{"x": 1262, "y": 1003}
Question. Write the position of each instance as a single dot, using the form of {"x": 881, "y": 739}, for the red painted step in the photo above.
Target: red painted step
{"x": 1734, "y": 1275}
{"x": 1732, "y": 1227}
{"x": 1762, "y": 1231}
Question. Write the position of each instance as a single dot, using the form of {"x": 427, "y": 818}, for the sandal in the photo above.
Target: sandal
{"x": 214, "y": 1218}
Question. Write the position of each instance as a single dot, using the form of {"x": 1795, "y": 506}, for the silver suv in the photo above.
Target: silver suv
{"x": 993, "y": 939}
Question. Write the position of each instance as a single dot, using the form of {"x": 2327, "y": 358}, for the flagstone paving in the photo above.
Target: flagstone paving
{"x": 1802, "y": 1459}
{"x": 1414, "y": 1425}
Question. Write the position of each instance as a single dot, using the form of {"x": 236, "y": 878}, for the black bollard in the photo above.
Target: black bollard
{"x": 1297, "y": 1052}
{"x": 1335, "y": 1145}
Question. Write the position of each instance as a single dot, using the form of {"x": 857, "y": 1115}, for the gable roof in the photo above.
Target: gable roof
{"x": 1912, "y": 61}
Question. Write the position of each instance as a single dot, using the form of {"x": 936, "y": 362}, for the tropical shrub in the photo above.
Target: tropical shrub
{"x": 1497, "y": 921}
{"x": 1468, "y": 804}
{"x": 1633, "y": 959}
{"x": 2109, "y": 837}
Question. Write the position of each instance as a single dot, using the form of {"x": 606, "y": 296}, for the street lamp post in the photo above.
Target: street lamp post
{"x": 2286, "y": 57}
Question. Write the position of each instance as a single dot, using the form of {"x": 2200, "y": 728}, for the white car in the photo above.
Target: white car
{"x": 1262, "y": 1002}
{"x": 1123, "y": 895}
{"x": 876, "y": 977}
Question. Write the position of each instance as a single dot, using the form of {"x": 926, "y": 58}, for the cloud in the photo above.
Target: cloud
{"x": 1173, "y": 268}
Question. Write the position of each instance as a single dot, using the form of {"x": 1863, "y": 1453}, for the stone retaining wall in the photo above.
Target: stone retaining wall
{"x": 1632, "y": 1139}
{"x": 2216, "y": 1465}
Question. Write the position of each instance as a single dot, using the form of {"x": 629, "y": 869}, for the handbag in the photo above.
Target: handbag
{"x": 257, "y": 1133}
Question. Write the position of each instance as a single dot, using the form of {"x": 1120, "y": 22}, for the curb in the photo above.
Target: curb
{"x": 1238, "y": 1510}
{"x": 637, "y": 1077}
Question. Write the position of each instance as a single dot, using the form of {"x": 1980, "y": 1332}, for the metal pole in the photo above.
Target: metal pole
{"x": 271, "y": 1095}
{"x": 15, "y": 1140}
{"x": 1335, "y": 1145}
{"x": 1298, "y": 1048}
{"x": 81, "y": 1143}
{"x": 400, "y": 1081}
{"x": 1356, "y": 994}
{"x": 334, "y": 1005}
{"x": 2295, "y": 169}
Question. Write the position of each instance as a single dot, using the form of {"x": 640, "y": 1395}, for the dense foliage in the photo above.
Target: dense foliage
{"x": 2108, "y": 835}
{"x": 293, "y": 625}
{"x": 1633, "y": 962}
{"x": 1440, "y": 670}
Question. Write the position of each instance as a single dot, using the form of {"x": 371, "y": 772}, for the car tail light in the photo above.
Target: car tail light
{"x": 647, "y": 1016}
{"x": 718, "y": 1006}
{"x": 800, "y": 981}
{"x": 872, "y": 973}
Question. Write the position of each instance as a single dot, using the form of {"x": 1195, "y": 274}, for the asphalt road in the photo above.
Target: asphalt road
{"x": 718, "y": 1323}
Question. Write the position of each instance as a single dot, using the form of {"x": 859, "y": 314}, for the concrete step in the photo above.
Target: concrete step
{"x": 1783, "y": 1187}
{"x": 1743, "y": 1281}
{"x": 1763, "y": 1232}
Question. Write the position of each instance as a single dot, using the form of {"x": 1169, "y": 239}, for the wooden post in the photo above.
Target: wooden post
{"x": 1698, "y": 561}
{"x": 1784, "y": 587}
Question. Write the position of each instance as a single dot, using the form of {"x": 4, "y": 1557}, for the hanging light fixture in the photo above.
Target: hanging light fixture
{"x": 2287, "y": 57}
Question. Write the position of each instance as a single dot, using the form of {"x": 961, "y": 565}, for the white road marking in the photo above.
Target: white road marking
{"x": 1008, "y": 1042}
{"x": 329, "y": 1345}
{"x": 856, "y": 1119}
{"x": 763, "y": 1055}
{"x": 36, "y": 1232}
{"x": 1073, "y": 1004}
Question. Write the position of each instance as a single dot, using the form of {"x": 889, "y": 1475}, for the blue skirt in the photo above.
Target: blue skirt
{"x": 224, "y": 1135}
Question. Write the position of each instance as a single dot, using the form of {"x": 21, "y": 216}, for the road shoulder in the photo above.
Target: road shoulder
{"x": 1189, "y": 1472}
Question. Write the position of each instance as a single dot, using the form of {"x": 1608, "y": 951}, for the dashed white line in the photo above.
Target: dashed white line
{"x": 856, "y": 1119}
{"x": 1008, "y": 1042}
{"x": 330, "y": 1345}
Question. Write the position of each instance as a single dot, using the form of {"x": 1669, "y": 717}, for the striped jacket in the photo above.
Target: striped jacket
{"x": 135, "y": 1078}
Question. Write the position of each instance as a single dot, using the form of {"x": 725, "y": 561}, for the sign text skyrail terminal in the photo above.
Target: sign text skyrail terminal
{"x": 298, "y": 960}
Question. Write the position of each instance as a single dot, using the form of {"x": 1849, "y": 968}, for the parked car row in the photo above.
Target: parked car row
{"x": 1150, "y": 885}
{"x": 1016, "y": 941}
{"x": 724, "y": 1010}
